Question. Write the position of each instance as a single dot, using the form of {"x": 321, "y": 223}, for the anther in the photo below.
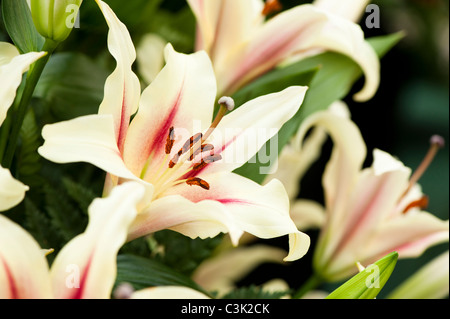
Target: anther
{"x": 197, "y": 182}
{"x": 204, "y": 148}
{"x": 272, "y": 6}
{"x": 170, "y": 140}
{"x": 436, "y": 142}
{"x": 421, "y": 203}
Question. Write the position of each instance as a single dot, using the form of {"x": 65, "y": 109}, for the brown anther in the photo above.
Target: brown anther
{"x": 421, "y": 203}
{"x": 190, "y": 142}
{"x": 174, "y": 160}
{"x": 199, "y": 166}
{"x": 204, "y": 148}
{"x": 272, "y": 6}
{"x": 170, "y": 140}
{"x": 213, "y": 158}
{"x": 197, "y": 182}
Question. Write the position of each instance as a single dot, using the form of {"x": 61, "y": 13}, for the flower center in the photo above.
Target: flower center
{"x": 194, "y": 146}
{"x": 436, "y": 142}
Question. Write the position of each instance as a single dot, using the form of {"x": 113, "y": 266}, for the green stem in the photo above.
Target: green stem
{"x": 19, "y": 115}
{"x": 313, "y": 282}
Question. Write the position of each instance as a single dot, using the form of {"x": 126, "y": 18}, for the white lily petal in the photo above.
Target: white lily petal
{"x": 262, "y": 211}
{"x": 23, "y": 267}
{"x": 150, "y": 56}
{"x": 225, "y": 24}
{"x": 168, "y": 292}
{"x": 182, "y": 96}
{"x": 86, "y": 267}
{"x": 122, "y": 88}
{"x": 349, "y": 9}
{"x": 242, "y": 133}
{"x": 221, "y": 273}
{"x": 88, "y": 139}
{"x": 307, "y": 214}
{"x": 204, "y": 219}
{"x": 12, "y": 191}
{"x": 429, "y": 282}
{"x": 12, "y": 66}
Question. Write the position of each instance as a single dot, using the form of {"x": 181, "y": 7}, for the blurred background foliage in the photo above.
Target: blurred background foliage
{"x": 412, "y": 104}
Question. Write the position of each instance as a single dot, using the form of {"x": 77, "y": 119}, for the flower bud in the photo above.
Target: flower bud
{"x": 54, "y": 19}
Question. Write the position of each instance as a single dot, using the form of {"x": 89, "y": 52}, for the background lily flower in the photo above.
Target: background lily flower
{"x": 12, "y": 66}
{"x": 369, "y": 212}
{"x": 196, "y": 195}
{"x": 84, "y": 268}
{"x": 243, "y": 45}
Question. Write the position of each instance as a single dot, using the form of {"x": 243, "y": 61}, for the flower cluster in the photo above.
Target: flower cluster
{"x": 112, "y": 172}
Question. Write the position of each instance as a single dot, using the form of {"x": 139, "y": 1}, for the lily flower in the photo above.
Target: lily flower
{"x": 244, "y": 45}
{"x": 372, "y": 211}
{"x": 183, "y": 157}
{"x": 86, "y": 266}
{"x": 12, "y": 66}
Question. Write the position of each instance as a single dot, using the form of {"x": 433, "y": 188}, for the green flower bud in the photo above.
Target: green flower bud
{"x": 54, "y": 19}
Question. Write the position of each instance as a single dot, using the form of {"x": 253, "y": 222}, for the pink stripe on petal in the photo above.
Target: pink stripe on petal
{"x": 10, "y": 281}
{"x": 79, "y": 292}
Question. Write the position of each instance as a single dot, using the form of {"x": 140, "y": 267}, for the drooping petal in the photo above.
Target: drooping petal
{"x": 182, "y": 96}
{"x": 88, "y": 139}
{"x": 242, "y": 133}
{"x": 204, "y": 219}
{"x": 349, "y": 9}
{"x": 12, "y": 66}
{"x": 222, "y": 272}
{"x": 86, "y": 267}
{"x": 12, "y": 191}
{"x": 224, "y": 25}
{"x": 122, "y": 88}
{"x": 301, "y": 30}
{"x": 262, "y": 211}
{"x": 168, "y": 292}
{"x": 24, "y": 272}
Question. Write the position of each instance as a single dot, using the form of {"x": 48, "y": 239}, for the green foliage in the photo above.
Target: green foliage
{"x": 20, "y": 27}
{"x": 368, "y": 283}
{"x": 143, "y": 273}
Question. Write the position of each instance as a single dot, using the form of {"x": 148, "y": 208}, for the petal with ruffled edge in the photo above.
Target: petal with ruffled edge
{"x": 262, "y": 211}
{"x": 122, "y": 87}
{"x": 168, "y": 292}
{"x": 86, "y": 267}
{"x": 85, "y": 139}
{"x": 182, "y": 96}
{"x": 12, "y": 66}
{"x": 301, "y": 30}
{"x": 24, "y": 272}
{"x": 12, "y": 191}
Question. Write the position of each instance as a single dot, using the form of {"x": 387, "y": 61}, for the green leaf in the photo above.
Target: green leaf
{"x": 368, "y": 283}
{"x": 333, "y": 81}
{"x": 143, "y": 273}
{"x": 72, "y": 85}
{"x": 20, "y": 26}
{"x": 79, "y": 193}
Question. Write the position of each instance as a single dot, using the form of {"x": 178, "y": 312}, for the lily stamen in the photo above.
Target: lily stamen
{"x": 437, "y": 142}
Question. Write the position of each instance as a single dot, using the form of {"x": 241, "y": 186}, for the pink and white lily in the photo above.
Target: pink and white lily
{"x": 196, "y": 195}
{"x": 84, "y": 268}
{"x": 352, "y": 10}
{"x": 12, "y": 66}
{"x": 243, "y": 45}
{"x": 368, "y": 212}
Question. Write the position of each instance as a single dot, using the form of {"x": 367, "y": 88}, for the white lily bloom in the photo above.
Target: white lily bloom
{"x": 350, "y": 9}
{"x": 196, "y": 195}
{"x": 243, "y": 45}
{"x": 12, "y": 66}
{"x": 85, "y": 268}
